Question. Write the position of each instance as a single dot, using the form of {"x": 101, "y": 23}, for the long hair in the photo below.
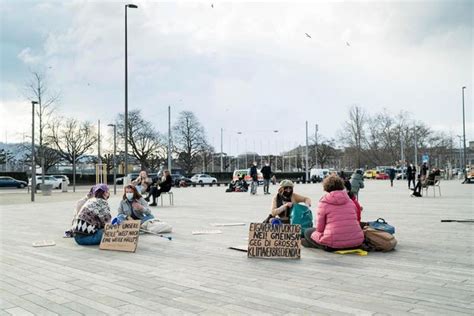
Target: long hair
{"x": 136, "y": 195}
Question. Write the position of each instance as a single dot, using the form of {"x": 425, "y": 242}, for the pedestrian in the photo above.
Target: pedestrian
{"x": 267, "y": 173}
{"x": 424, "y": 171}
{"x": 133, "y": 205}
{"x": 254, "y": 175}
{"x": 411, "y": 173}
{"x": 88, "y": 227}
{"x": 164, "y": 186}
{"x": 142, "y": 182}
{"x": 336, "y": 226}
{"x": 284, "y": 200}
{"x": 357, "y": 182}
{"x": 391, "y": 175}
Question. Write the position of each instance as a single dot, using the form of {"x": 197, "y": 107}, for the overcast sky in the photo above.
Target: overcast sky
{"x": 241, "y": 66}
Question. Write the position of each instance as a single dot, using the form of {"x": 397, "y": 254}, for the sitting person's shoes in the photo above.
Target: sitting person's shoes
{"x": 152, "y": 204}
{"x": 305, "y": 243}
{"x": 147, "y": 199}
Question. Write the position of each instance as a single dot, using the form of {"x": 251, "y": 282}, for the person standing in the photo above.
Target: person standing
{"x": 391, "y": 174}
{"x": 410, "y": 175}
{"x": 267, "y": 174}
{"x": 357, "y": 182}
{"x": 254, "y": 176}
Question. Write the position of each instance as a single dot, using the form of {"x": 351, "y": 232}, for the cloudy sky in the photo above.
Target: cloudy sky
{"x": 241, "y": 66}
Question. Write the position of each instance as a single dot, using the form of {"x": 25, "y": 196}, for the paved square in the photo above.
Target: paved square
{"x": 431, "y": 272}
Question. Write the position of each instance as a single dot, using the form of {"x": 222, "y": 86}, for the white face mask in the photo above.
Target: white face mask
{"x": 129, "y": 196}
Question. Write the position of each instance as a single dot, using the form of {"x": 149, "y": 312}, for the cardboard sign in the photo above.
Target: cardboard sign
{"x": 279, "y": 241}
{"x": 123, "y": 237}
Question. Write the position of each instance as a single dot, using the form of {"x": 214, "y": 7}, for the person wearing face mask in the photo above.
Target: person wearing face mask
{"x": 284, "y": 200}
{"x": 88, "y": 226}
{"x": 267, "y": 175}
{"x": 134, "y": 206}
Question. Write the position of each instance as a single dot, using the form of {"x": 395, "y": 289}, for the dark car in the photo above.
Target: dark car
{"x": 12, "y": 183}
{"x": 179, "y": 180}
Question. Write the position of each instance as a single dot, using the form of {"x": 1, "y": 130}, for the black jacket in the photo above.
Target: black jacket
{"x": 253, "y": 173}
{"x": 266, "y": 172}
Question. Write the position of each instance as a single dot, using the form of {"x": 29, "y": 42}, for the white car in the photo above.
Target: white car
{"x": 56, "y": 183}
{"x": 203, "y": 178}
{"x": 62, "y": 178}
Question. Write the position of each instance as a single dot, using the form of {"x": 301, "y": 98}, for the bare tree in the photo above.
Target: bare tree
{"x": 189, "y": 139}
{"x": 353, "y": 133}
{"x": 146, "y": 143}
{"x": 37, "y": 89}
{"x": 72, "y": 139}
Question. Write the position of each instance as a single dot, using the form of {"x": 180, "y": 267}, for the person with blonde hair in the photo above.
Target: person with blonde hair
{"x": 164, "y": 186}
{"x": 336, "y": 226}
{"x": 284, "y": 200}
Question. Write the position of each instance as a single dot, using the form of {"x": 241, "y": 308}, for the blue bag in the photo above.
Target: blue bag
{"x": 301, "y": 215}
{"x": 381, "y": 224}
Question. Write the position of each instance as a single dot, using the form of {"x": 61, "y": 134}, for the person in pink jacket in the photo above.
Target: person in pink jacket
{"x": 336, "y": 225}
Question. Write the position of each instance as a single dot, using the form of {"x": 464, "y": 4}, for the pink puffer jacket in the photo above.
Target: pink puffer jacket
{"x": 337, "y": 225}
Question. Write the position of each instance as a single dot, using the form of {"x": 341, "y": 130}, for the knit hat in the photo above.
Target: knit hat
{"x": 101, "y": 186}
{"x": 286, "y": 183}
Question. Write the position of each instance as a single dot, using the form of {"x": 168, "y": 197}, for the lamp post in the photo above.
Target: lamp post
{"x": 132, "y": 6}
{"x": 113, "y": 158}
{"x": 169, "y": 139}
{"x": 306, "y": 155}
{"x": 464, "y": 137}
{"x": 222, "y": 141}
{"x": 33, "y": 161}
{"x": 316, "y": 146}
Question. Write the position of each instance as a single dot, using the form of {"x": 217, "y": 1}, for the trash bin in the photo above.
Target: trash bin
{"x": 64, "y": 186}
{"x": 46, "y": 189}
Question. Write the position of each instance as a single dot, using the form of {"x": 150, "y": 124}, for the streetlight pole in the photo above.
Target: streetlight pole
{"x": 416, "y": 146}
{"x": 33, "y": 161}
{"x": 222, "y": 141}
{"x": 464, "y": 137}
{"x": 306, "y": 154}
{"x": 132, "y": 6}
{"x": 316, "y": 146}
{"x": 113, "y": 158}
{"x": 169, "y": 139}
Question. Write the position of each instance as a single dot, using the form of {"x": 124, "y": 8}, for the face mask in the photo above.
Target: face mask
{"x": 129, "y": 196}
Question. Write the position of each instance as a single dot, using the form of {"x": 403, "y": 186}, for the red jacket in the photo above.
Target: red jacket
{"x": 358, "y": 208}
{"x": 337, "y": 225}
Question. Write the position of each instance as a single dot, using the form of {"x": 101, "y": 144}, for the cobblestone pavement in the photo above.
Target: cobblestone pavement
{"x": 431, "y": 272}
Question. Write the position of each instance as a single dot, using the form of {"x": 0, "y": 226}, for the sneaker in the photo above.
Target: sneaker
{"x": 152, "y": 204}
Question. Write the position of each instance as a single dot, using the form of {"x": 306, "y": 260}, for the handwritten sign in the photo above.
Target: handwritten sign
{"x": 280, "y": 241}
{"x": 123, "y": 237}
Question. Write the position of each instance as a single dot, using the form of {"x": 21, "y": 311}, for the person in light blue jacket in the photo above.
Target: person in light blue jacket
{"x": 134, "y": 206}
{"x": 357, "y": 182}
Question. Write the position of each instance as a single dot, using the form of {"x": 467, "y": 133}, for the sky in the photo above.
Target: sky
{"x": 248, "y": 68}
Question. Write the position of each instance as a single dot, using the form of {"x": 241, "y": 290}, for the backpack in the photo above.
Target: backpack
{"x": 301, "y": 215}
{"x": 378, "y": 240}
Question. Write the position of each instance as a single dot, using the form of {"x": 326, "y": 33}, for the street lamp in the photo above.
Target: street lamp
{"x": 132, "y": 6}
{"x": 464, "y": 137}
{"x": 33, "y": 161}
{"x": 115, "y": 163}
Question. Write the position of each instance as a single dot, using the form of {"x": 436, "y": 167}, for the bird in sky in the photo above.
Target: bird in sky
{"x": 307, "y": 35}
{"x": 347, "y": 43}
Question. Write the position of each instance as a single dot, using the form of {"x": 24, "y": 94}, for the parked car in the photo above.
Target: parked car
{"x": 381, "y": 176}
{"x": 370, "y": 174}
{"x": 246, "y": 174}
{"x": 62, "y": 178}
{"x": 56, "y": 183}
{"x": 179, "y": 180}
{"x": 203, "y": 178}
{"x": 6, "y": 182}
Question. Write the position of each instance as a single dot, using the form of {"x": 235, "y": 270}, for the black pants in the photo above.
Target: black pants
{"x": 410, "y": 180}
{"x": 310, "y": 243}
{"x": 155, "y": 192}
{"x": 417, "y": 188}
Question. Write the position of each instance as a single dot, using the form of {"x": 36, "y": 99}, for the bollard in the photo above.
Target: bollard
{"x": 64, "y": 186}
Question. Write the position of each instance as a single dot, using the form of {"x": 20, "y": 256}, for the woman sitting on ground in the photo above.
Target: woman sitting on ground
{"x": 164, "y": 186}
{"x": 89, "y": 224}
{"x": 134, "y": 206}
{"x": 337, "y": 226}
{"x": 284, "y": 200}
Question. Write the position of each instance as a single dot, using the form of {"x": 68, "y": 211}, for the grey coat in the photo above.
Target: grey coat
{"x": 125, "y": 208}
{"x": 357, "y": 183}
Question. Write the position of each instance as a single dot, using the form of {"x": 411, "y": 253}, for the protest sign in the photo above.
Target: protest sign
{"x": 278, "y": 241}
{"x": 123, "y": 237}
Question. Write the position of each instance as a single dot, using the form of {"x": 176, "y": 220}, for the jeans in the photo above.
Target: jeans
{"x": 266, "y": 185}
{"x": 87, "y": 240}
{"x": 253, "y": 187}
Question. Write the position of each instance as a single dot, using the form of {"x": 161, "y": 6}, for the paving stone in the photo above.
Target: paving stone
{"x": 431, "y": 271}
